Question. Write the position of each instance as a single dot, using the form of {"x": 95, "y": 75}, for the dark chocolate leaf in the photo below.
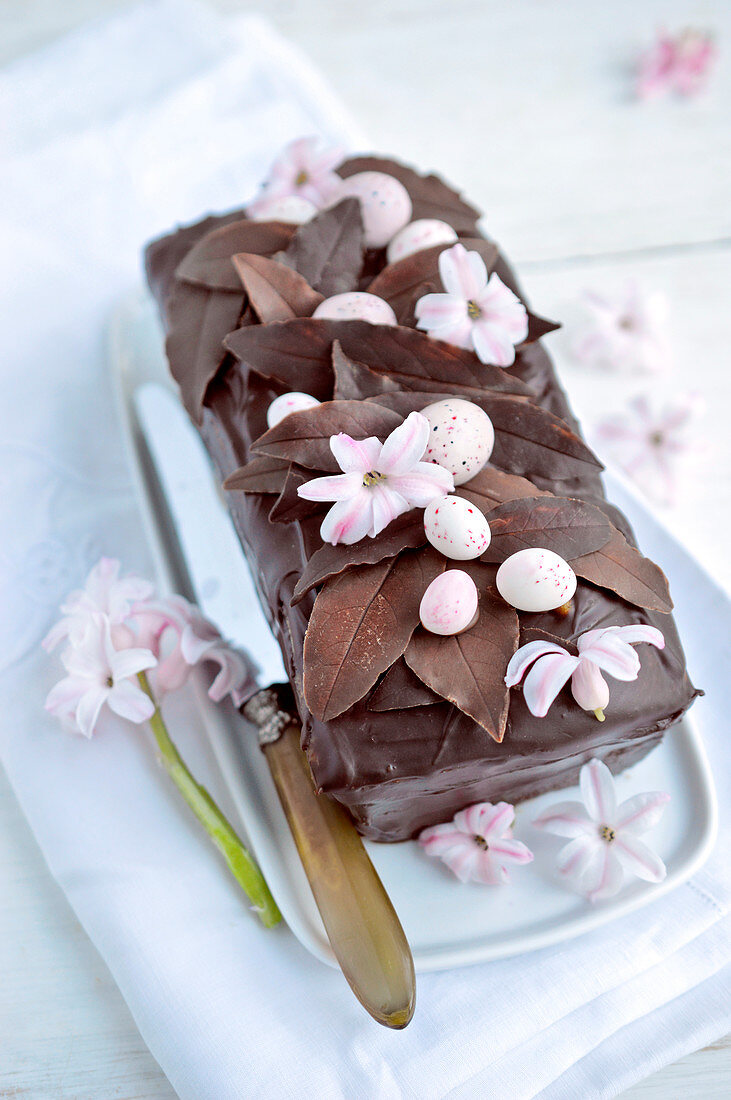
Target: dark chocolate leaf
{"x": 406, "y": 532}
{"x": 623, "y": 570}
{"x": 262, "y": 475}
{"x": 401, "y": 689}
{"x": 401, "y": 284}
{"x": 360, "y": 624}
{"x": 304, "y": 437}
{"x": 276, "y": 292}
{"x": 538, "y": 327}
{"x": 328, "y": 251}
{"x": 566, "y": 526}
{"x": 469, "y": 669}
{"x": 353, "y": 380}
{"x": 430, "y": 196}
{"x": 289, "y": 506}
{"x": 197, "y": 322}
{"x": 492, "y": 487}
{"x": 535, "y": 634}
{"x": 209, "y": 261}
{"x": 297, "y": 353}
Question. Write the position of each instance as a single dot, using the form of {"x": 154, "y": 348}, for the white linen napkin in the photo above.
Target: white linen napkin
{"x": 114, "y": 134}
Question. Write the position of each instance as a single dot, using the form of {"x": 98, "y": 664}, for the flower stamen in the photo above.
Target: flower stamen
{"x": 473, "y": 310}
{"x": 480, "y": 842}
{"x": 372, "y": 477}
{"x": 301, "y": 178}
{"x": 607, "y": 833}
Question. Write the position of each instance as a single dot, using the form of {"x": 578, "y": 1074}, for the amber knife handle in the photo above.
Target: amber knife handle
{"x": 360, "y": 921}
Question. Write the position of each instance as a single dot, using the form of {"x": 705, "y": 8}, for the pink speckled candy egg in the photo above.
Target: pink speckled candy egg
{"x": 449, "y": 604}
{"x": 424, "y": 233}
{"x": 456, "y": 528}
{"x": 461, "y": 437}
{"x": 355, "y": 305}
{"x": 289, "y": 208}
{"x": 288, "y": 403}
{"x": 384, "y": 202}
{"x": 536, "y": 579}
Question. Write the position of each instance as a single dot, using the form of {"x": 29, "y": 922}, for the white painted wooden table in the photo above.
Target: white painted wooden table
{"x": 526, "y": 106}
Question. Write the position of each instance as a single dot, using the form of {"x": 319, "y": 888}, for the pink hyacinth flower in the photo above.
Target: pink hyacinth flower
{"x": 305, "y": 168}
{"x": 647, "y": 441}
{"x": 605, "y": 650}
{"x": 603, "y": 837}
{"x": 104, "y": 593}
{"x": 676, "y": 63}
{"x": 477, "y": 843}
{"x": 100, "y": 675}
{"x": 379, "y": 482}
{"x": 475, "y": 313}
{"x": 627, "y": 331}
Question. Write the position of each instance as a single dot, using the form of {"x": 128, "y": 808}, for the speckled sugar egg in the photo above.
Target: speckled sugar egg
{"x": 461, "y": 437}
{"x": 384, "y": 203}
{"x": 456, "y": 528}
{"x": 424, "y": 233}
{"x": 289, "y": 208}
{"x": 449, "y": 604}
{"x": 536, "y": 579}
{"x": 356, "y": 305}
{"x": 288, "y": 403}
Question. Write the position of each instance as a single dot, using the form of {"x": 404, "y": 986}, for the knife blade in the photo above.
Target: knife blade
{"x": 205, "y": 558}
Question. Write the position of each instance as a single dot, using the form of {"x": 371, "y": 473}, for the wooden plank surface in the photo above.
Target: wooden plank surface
{"x": 527, "y": 106}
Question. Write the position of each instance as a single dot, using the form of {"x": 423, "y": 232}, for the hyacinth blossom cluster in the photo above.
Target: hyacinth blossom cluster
{"x": 676, "y": 63}
{"x": 304, "y": 170}
{"x": 379, "y": 482}
{"x": 626, "y": 331}
{"x": 125, "y": 649}
{"x": 475, "y": 312}
{"x": 604, "y": 842}
{"x": 606, "y": 650}
{"x": 477, "y": 843}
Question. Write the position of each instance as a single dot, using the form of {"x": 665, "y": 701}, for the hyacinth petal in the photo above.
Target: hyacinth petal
{"x": 604, "y": 875}
{"x": 639, "y": 632}
{"x": 462, "y": 861}
{"x": 568, "y": 819}
{"x": 597, "y": 790}
{"x": 128, "y": 662}
{"x": 405, "y": 446}
{"x": 348, "y": 521}
{"x": 433, "y": 310}
{"x": 56, "y": 634}
{"x": 130, "y": 702}
{"x": 575, "y": 857}
{"x": 334, "y": 487}
{"x": 496, "y": 820}
{"x": 439, "y": 838}
{"x": 611, "y": 654}
{"x": 386, "y": 505}
{"x": 355, "y": 455}
{"x": 546, "y": 678}
{"x": 458, "y": 334}
{"x": 521, "y": 661}
{"x": 232, "y": 674}
{"x": 461, "y": 275}
{"x": 171, "y": 672}
{"x": 426, "y": 482}
{"x": 638, "y": 814}
{"x": 492, "y": 344}
{"x": 487, "y": 870}
{"x": 100, "y": 580}
{"x": 637, "y": 858}
{"x": 513, "y": 850}
{"x": 64, "y": 695}
{"x": 470, "y": 820}
{"x": 588, "y": 686}
{"x": 501, "y": 305}
{"x": 89, "y": 708}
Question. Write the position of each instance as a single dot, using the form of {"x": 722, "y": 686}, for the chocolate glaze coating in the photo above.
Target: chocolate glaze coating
{"x": 400, "y": 770}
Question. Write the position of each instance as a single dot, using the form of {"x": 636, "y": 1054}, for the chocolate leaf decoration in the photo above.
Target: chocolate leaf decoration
{"x": 401, "y": 689}
{"x": 568, "y": 527}
{"x": 406, "y": 532}
{"x": 360, "y": 624}
{"x": 535, "y": 634}
{"x": 261, "y": 475}
{"x": 296, "y": 353}
{"x": 353, "y": 380}
{"x": 209, "y": 261}
{"x": 622, "y": 569}
{"x": 401, "y": 284}
{"x": 304, "y": 437}
{"x": 491, "y": 487}
{"x": 538, "y": 327}
{"x": 328, "y": 251}
{"x": 276, "y": 292}
{"x": 468, "y": 669}
{"x": 289, "y": 506}
{"x": 430, "y": 196}
{"x": 197, "y": 322}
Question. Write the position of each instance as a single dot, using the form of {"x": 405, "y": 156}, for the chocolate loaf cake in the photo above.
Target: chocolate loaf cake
{"x": 403, "y": 726}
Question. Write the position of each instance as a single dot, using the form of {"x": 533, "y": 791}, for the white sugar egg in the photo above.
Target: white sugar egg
{"x": 536, "y": 579}
{"x": 288, "y": 403}
{"x": 289, "y": 208}
{"x": 456, "y": 528}
{"x": 461, "y": 437}
{"x": 355, "y": 305}
{"x": 414, "y": 237}
{"x": 449, "y": 604}
{"x": 384, "y": 202}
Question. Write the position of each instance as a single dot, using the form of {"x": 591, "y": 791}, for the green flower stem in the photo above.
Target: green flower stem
{"x": 240, "y": 862}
